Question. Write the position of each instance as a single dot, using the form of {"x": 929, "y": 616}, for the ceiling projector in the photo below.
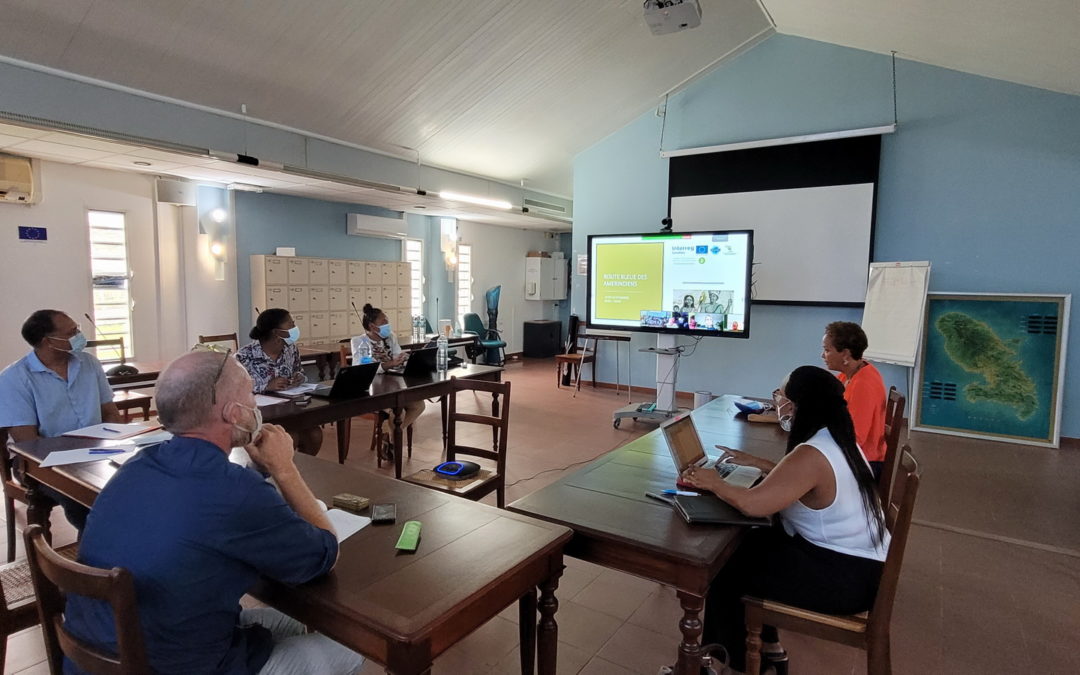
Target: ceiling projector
{"x": 670, "y": 16}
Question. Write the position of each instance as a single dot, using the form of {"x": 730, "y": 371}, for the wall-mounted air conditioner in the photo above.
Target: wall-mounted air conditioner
{"x": 17, "y": 184}
{"x": 363, "y": 225}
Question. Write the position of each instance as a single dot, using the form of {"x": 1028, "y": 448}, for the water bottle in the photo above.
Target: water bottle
{"x": 442, "y": 355}
{"x": 361, "y": 348}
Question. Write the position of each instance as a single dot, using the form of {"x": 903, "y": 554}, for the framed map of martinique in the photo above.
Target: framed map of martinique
{"x": 992, "y": 366}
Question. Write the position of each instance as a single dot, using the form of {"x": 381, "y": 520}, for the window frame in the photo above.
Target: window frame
{"x": 128, "y": 335}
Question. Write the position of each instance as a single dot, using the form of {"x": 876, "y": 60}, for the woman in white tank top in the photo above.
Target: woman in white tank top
{"x": 827, "y": 551}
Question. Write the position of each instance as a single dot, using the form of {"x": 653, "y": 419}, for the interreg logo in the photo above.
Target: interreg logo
{"x": 702, "y": 250}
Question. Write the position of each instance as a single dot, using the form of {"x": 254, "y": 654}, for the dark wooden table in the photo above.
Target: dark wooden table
{"x": 403, "y": 611}
{"x": 387, "y": 392}
{"x": 617, "y": 526}
{"x": 327, "y": 354}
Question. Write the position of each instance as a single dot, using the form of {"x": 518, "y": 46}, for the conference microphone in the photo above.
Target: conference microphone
{"x": 123, "y": 368}
{"x": 357, "y": 311}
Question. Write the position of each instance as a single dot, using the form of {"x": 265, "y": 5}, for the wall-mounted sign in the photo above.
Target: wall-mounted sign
{"x": 33, "y": 233}
{"x": 583, "y": 264}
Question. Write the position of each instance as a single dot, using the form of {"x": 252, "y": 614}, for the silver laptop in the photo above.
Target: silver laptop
{"x": 686, "y": 451}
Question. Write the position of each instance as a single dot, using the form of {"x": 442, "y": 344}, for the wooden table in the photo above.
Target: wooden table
{"x": 617, "y": 526}
{"x": 387, "y": 392}
{"x": 403, "y": 611}
{"x": 326, "y": 355}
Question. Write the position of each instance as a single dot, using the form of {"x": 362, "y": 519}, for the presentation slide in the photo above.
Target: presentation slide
{"x": 686, "y": 282}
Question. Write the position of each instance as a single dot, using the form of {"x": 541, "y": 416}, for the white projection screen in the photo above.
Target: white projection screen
{"x": 810, "y": 205}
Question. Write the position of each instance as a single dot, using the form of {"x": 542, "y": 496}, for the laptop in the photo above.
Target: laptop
{"x": 351, "y": 382}
{"x": 421, "y": 362}
{"x": 686, "y": 451}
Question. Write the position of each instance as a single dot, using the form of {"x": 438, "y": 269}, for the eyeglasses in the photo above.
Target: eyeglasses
{"x": 213, "y": 385}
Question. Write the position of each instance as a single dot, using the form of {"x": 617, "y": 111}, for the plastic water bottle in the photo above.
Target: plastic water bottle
{"x": 361, "y": 348}
{"x": 442, "y": 355}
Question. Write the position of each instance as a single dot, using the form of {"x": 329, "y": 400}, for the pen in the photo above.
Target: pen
{"x": 660, "y": 498}
{"x": 112, "y": 431}
{"x": 681, "y": 493}
{"x": 106, "y": 452}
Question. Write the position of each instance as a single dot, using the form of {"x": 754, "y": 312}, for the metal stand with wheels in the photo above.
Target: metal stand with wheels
{"x": 667, "y": 363}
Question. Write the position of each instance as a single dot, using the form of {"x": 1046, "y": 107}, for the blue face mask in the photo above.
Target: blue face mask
{"x": 385, "y": 331}
{"x": 293, "y": 336}
{"x": 76, "y": 342}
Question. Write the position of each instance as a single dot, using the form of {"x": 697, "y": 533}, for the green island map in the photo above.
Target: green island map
{"x": 990, "y": 366}
{"x": 976, "y": 348}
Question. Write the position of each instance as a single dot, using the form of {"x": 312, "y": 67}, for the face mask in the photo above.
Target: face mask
{"x": 385, "y": 331}
{"x": 785, "y": 419}
{"x": 252, "y": 433}
{"x": 76, "y": 343}
{"x": 293, "y": 336}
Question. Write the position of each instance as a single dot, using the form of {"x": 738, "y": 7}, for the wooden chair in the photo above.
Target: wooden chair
{"x": 125, "y": 399}
{"x": 486, "y": 481}
{"x": 344, "y": 427}
{"x": 224, "y": 337}
{"x": 18, "y": 611}
{"x": 869, "y": 630}
{"x": 894, "y": 422}
{"x": 54, "y": 576}
{"x": 574, "y": 359}
{"x": 13, "y": 490}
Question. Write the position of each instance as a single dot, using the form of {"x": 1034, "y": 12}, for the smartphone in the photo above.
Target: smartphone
{"x": 383, "y": 513}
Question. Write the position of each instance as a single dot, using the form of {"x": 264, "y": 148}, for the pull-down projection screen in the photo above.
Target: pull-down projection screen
{"x": 810, "y": 205}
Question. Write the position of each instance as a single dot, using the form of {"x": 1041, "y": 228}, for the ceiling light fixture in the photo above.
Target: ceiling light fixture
{"x": 243, "y": 187}
{"x": 480, "y": 201}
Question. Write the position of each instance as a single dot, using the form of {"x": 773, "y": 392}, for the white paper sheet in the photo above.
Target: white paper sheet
{"x": 152, "y": 438}
{"x": 110, "y": 430}
{"x": 263, "y": 399}
{"x": 346, "y": 524}
{"x": 298, "y": 390}
{"x": 62, "y": 457}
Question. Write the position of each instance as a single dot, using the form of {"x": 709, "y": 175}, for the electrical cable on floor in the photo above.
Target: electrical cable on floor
{"x": 560, "y": 468}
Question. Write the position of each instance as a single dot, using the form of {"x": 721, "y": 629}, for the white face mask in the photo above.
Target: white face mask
{"x": 785, "y": 418}
{"x": 247, "y": 436}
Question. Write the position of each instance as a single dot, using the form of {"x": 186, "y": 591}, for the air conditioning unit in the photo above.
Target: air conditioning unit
{"x": 363, "y": 225}
{"x": 671, "y": 16}
{"x": 17, "y": 185}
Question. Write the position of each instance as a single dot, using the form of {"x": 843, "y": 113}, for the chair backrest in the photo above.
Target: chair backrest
{"x": 501, "y": 423}
{"x": 116, "y": 345}
{"x": 898, "y": 509}
{"x": 894, "y": 422}
{"x": 224, "y": 337}
{"x": 54, "y": 577}
{"x": 12, "y": 488}
{"x": 344, "y": 354}
{"x": 572, "y": 335}
{"x": 474, "y": 324}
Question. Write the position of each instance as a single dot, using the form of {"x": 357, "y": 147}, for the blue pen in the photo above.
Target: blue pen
{"x": 112, "y": 431}
{"x": 106, "y": 452}
{"x": 681, "y": 493}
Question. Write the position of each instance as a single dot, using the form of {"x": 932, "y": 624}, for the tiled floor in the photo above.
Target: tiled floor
{"x": 991, "y": 580}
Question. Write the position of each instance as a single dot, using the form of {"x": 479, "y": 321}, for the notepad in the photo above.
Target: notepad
{"x": 78, "y": 455}
{"x": 112, "y": 431}
{"x": 346, "y": 524}
{"x": 298, "y": 390}
{"x": 710, "y": 510}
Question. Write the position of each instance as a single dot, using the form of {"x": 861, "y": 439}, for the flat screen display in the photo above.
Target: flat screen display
{"x": 695, "y": 283}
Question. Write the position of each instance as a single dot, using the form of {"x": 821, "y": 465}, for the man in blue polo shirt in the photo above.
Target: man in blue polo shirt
{"x": 197, "y": 531}
{"x": 54, "y": 389}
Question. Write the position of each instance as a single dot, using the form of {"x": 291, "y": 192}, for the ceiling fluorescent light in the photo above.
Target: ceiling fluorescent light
{"x": 479, "y": 201}
{"x": 243, "y": 187}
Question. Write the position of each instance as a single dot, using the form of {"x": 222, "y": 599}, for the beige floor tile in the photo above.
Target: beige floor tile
{"x": 660, "y": 612}
{"x": 614, "y": 598}
{"x": 598, "y": 666}
{"x": 24, "y": 649}
{"x": 585, "y": 628}
{"x": 480, "y": 651}
{"x": 570, "y": 660}
{"x": 641, "y": 650}
{"x": 36, "y": 669}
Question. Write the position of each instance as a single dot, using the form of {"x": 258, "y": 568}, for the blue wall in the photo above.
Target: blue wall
{"x": 981, "y": 179}
{"x": 315, "y": 228}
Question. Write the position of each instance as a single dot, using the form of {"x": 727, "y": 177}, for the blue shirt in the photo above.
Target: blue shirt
{"x": 33, "y": 395}
{"x": 196, "y": 532}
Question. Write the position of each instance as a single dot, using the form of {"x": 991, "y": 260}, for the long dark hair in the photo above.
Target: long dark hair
{"x": 819, "y": 402}
{"x": 267, "y": 323}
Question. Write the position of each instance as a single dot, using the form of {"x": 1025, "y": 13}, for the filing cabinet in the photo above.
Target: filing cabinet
{"x": 320, "y": 292}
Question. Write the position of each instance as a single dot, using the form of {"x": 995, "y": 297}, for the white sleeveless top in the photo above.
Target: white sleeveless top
{"x": 842, "y": 526}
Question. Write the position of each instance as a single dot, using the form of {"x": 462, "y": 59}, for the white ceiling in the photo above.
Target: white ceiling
{"x": 1033, "y": 42}
{"x": 94, "y": 152}
{"x": 508, "y": 89}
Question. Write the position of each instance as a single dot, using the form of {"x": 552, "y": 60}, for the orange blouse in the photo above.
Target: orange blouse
{"x": 865, "y": 396}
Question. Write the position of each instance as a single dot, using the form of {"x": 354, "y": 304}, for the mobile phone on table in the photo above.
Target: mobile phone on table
{"x": 383, "y": 513}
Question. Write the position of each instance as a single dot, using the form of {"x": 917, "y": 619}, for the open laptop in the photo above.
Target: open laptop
{"x": 351, "y": 382}
{"x": 421, "y": 362}
{"x": 686, "y": 451}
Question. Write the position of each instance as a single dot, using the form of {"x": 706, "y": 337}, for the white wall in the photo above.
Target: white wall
{"x": 498, "y": 255}
{"x": 56, "y": 274}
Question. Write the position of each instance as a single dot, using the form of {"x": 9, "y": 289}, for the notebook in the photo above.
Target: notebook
{"x": 711, "y": 510}
{"x": 421, "y": 362}
{"x": 351, "y": 382}
{"x": 686, "y": 451}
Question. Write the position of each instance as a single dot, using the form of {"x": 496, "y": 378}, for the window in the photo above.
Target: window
{"x": 414, "y": 255}
{"x": 464, "y": 282}
{"x": 111, "y": 285}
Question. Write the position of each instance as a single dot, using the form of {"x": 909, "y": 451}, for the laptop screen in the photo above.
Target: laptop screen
{"x": 683, "y": 441}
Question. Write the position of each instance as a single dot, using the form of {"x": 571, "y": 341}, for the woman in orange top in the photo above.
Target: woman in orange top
{"x": 864, "y": 390}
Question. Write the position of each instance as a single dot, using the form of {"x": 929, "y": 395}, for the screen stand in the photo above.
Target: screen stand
{"x": 667, "y": 372}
